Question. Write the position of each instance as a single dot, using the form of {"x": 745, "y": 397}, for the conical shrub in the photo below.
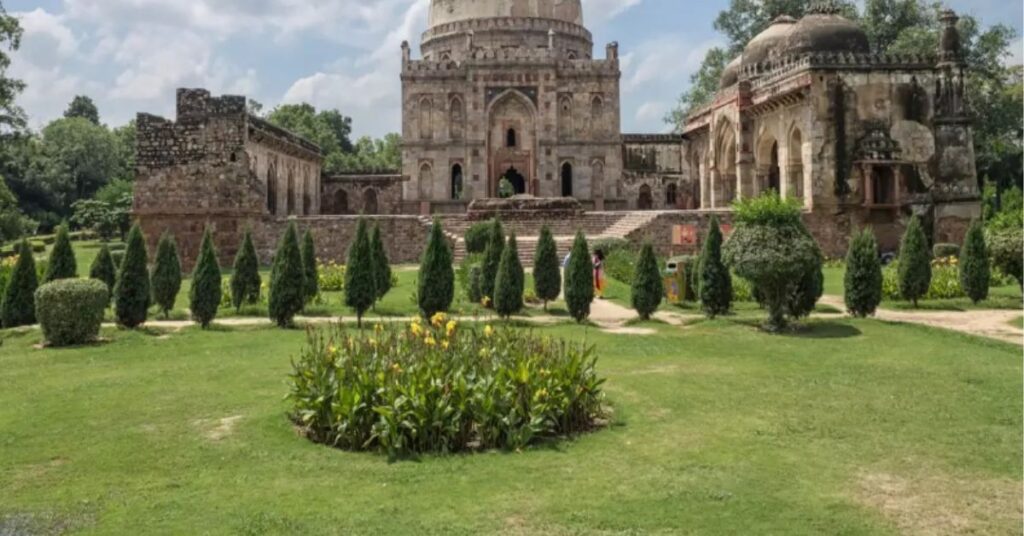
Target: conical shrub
{"x": 547, "y": 274}
{"x": 205, "y": 294}
{"x": 360, "y": 286}
{"x": 62, "y": 264}
{"x": 287, "y": 285}
{"x": 648, "y": 290}
{"x": 715, "y": 279}
{"x": 508, "y": 287}
{"x": 579, "y": 279}
{"x": 132, "y": 292}
{"x": 245, "y": 277}
{"x": 103, "y": 269}
{"x": 436, "y": 287}
{"x": 19, "y": 303}
{"x": 863, "y": 279}
{"x": 492, "y": 258}
{"x": 381, "y": 264}
{"x": 474, "y": 292}
{"x": 309, "y": 269}
{"x": 975, "y": 270}
{"x": 166, "y": 278}
{"x": 915, "y": 269}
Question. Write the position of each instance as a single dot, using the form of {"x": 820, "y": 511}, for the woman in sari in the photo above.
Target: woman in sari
{"x": 599, "y": 282}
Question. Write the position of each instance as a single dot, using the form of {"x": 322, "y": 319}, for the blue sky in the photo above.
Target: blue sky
{"x": 130, "y": 55}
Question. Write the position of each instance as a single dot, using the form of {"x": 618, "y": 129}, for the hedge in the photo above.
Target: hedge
{"x": 70, "y": 311}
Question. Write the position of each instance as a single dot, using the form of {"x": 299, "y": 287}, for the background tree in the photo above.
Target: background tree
{"x": 360, "y": 283}
{"x": 286, "y": 280}
{"x": 381, "y": 264}
{"x": 508, "y": 287}
{"x": 62, "y": 263}
{"x": 647, "y": 289}
{"x": 166, "y": 277}
{"x": 863, "y": 279}
{"x": 547, "y": 275}
{"x": 132, "y": 292}
{"x": 492, "y": 258}
{"x": 915, "y": 269}
{"x": 78, "y": 158}
{"x": 205, "y": 292}
{"x": 19, "y": 303}
{"x": 579, "y": 279}
{"x": 309, "y": 269}
{"x": 13, "y": 223}
{"x": 715, "y": 280}
{"x": 436, "y": 278}
{"x": 103, "y": 269}
{"x": 83, "y": 107}
{"x": 245, "y": 277}
{"x": 975, "y": 271}
{"x": 11, "y": 116}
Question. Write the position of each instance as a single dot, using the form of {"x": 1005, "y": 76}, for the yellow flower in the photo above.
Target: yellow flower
{"x": 416, "y": 329}
{"x": 444, "y": 344}
{"x": 430, "y": 340}
{"x": 450, "y": 328}
{"x": 332, "y": 351}
{"x": 438, "y": 320}
{"x": 379, "y": 328}
{"x": 396, "y": 368}
{"x": 486, "y": 301}
{"x": 483, "y": 352}
{"x": 488, "y": 331}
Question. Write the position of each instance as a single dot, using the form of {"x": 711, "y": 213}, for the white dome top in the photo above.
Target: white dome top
{"x": 446, "y": 11}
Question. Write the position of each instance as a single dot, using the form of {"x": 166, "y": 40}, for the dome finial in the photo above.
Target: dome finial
{"x": 825, "y": 7}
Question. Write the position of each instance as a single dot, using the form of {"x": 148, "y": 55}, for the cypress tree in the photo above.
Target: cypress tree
{"x": 492, "y": 258}
{"x": 205, "y": 294}
{"x": 287, "y": 287}
{"x": 975, "y": 271}
{"x": 579, "y": 279}
{"x": 311, "y": 277}
{"x": 381, "y": 265}
{"x": 508, "y": 287}
{"x": 166, "y": 278}
{"x": 715, "y": 279}
{"x": 62, "y": 263}
{"x": 360, "y": 284}
{"x": 19, "y": 303}
{"x": 915, "y": 270}
{"x": 474, "y": 293}
{"x": 245, "y": 278}
{"x": 547, "y": 276}
{"x": 103, "y": 269}
{"x": 436, "y": 278}
{"x": 648, "y": 290}
{"x": 131, "y": 293}
{"x": 863, "y": 279}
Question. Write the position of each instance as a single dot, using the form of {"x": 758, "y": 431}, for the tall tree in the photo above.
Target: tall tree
{"x": 579, "y": 279}
{"x": 287, "y": 286}
{"x": 103, "y": 269}
{"x": 83, "y": 107}
{"x": 436, "y": 278}
{"x": 715, "y": 278}
{"x": 975, "y": 269}
{"x": 381, "y": 265}
{"x": 132, "y": 291}
{"x": 647, "y": 290}
{"x": 309, "y": 268}
{"x": 508, "y": 287}
{"x": 11, "y": 116}
{"x": 492, "y": 258}
{"x": 19, "y": 303}
{"x": 80, "y": 159}
{"x": 360, "y": 286}
{"x": 547, "y": 275}
{"x": 245, "y": 277}
{"x": 166, "y": 277}
{"x": 915, "y": 269}
{"x": 205, "y": 292}
{"x": 863, "y": 279}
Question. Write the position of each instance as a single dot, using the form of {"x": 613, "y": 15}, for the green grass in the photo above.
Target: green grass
{"x": 1017, "y": 322}
{"x": 717, "y": 428}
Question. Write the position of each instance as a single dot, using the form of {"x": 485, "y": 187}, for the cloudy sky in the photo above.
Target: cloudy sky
{"x": 130, "y": 55}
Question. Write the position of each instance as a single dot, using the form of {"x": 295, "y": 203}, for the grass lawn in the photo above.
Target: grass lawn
{"x": 852, "y": 427}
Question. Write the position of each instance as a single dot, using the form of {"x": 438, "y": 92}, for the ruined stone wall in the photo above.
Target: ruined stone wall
{"x": 368, "y": 194}
{"x": 655, "y": 174}
{"x": 404, "y": 237}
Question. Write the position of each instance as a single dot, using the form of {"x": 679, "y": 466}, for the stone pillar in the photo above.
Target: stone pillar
{"x": 705, "y": 186}
{"x": 713, "y": 194}
{"x": 745, "y": 178}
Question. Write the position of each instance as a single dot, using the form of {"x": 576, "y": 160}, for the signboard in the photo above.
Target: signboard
{"x": 684, "y": 235}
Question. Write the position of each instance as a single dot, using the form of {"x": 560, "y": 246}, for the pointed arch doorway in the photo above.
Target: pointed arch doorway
{"x": 512, "y": 142}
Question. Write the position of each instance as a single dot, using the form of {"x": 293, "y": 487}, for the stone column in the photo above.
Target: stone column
{"x": 745, "y": 179}
{"x": 705, "y": 186}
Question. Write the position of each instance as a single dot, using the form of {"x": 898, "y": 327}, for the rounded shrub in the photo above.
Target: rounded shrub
{"x": 648, "y": 290}
{"x": 863, "y": 280}
{"x": 245, "y": 277}
{"x": 18, "y": 307}
{"x": 942, "y": 250}
{"x": 70, "y": 311}
{"x": 547, "y": 274}
{"x": 508, "y": 288}
{"x": 1006, "y": 247}
{"x": 579, "y": 279}
{"x": 360, "y": 284}
{"x": 103, "y": 269}
{"x": 436, "y": 288}
{"x": 287, "y": 288}
{"x": 975, "y": 270}
{"x": 132, "y": 291}
{"x": 205, "y": 293}
{"x": 477, "y": 237}
{"x": 62, "y": 263}
{"x": 915, "y": 264}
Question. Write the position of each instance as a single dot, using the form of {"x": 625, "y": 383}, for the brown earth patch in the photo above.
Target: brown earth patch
{"x": 218, "y": 429}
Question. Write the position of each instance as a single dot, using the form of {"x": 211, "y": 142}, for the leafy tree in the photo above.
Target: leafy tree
{"x": 863, "y": 279}
{"x": 125, "y": 137}
{"x": 83, "y": 107}
{"x": 245, "y": 277}
{"x": 808, "y": 290}
{"x": 13, "y": 223}
{"x": 166, "y": 277}
{"x": 437, "y": 278}
{"x": 508, "y": 287}
{"x": 648, "y": 290}
{"x": 975, "y": 271}
{"x": 19, "y": 303}
{"x": 547, "y": 276}
{"x": 103, "y": 269}
{"x": 11, "y": 116}
{"x": 492, "y": 258}
{"x": 205, "y": 293}
{"x": 132, "y": 292}
{"x": 309, "y": 269}
{"x": 715, "y": 280}
{"x": 1007, "y": 248}
{"x": 287, "y": 285}
{"x": 360, "y": 281}
{"x": 381, "y": 265}
{"x": 579, "y": 279}
{"x": 62, "y": 263}
{"x": 80, "y": 158}
{"x": 915, "y": 269}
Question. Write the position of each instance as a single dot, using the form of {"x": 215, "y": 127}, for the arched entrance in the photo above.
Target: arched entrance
{"x": 671, "y": 195}
{"x": 567, "y": 180}
{"x": 517, "y": 179}
{"x": 645, "y": 201}
{"x": 340, "y": 202}
{"x": 370, "y": 201}
{"x": 457, "y": 181}
{"x": 511, "y": 142}
{"x": 774, "y": 173}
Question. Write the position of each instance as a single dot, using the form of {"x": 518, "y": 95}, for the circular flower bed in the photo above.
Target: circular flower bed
{"x": 438, "y": 387}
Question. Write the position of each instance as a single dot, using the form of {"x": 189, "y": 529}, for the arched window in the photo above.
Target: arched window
{"x": 565, "y": 123}
{"x": 596, "y": 107}
{"x": 272, "y": 190}
{"x": 426, "y": 128}
{"x": 567, "y": 180}
{"x": 291, "y": 192}
{"x": 340, "y": 201}
{"x": 571, "y": 55}
{"x": 455, "y": 118}
{"x": 426, "y": 182}
{"x": 796, "y": 165}
{"x": 511, "y": 138}
{"x": 370, "y": 201}
{"x": 645, "y": 201}
{"x": 671, "y": 195}
{"x": 457, "y": 181}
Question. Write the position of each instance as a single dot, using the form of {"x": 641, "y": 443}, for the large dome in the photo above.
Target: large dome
{"x": 767, "y": 43}
{"x": 447, "y": 11}
{"x": 824, "y": 29}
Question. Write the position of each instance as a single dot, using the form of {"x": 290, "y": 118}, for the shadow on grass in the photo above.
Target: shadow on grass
{"x": 822, "y": 330}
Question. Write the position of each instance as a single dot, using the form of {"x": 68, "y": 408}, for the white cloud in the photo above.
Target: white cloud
{"x": 600, "y": 11}
{"x": 1016, "y": 56}
{"x": 659, "y": 61}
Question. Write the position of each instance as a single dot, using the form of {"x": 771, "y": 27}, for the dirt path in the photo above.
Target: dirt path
{"x": 991, "y": 323}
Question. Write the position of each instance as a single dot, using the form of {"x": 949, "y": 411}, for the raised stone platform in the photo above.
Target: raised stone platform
{"x": 527, "y": 207}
